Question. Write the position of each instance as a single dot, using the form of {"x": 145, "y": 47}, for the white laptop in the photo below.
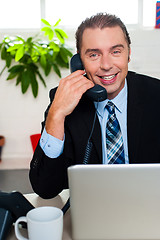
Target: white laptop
{"x": 115, "y": 201}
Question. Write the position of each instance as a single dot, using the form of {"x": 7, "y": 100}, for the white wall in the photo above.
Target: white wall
{"x": 145, "y": 55}
{"x": 21, "y": 115}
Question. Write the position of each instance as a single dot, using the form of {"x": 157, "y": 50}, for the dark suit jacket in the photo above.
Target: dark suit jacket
{"x": 49, "y": 176}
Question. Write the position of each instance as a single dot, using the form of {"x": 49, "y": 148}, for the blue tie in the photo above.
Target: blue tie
{"x": 114, "y": 140}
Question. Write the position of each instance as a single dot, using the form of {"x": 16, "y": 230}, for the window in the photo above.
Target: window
{"x": 28, "y": 13}
{"x": 20, "y": 14}
{"x": 73, "y": 13}
{"x": 149, "y": 13}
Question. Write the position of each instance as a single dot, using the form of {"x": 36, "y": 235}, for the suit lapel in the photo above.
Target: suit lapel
{"x": 134, "y": 119}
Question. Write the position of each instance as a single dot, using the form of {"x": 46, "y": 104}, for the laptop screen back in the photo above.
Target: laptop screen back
{"x": 115, "y": 201}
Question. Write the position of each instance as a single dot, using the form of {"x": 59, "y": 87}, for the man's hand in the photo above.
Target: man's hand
{"x": 68, "y": 95}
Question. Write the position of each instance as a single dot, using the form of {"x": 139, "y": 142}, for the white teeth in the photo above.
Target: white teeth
{"x": 109, "y": 77}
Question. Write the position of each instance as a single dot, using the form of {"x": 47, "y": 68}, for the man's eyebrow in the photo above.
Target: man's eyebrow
{"x": 89, "y": 50}
{"x": 117, "y": 46}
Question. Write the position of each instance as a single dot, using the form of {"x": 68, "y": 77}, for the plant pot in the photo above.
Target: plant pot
{"x": 34, "y": 140}
{"x": 2, "y": 142}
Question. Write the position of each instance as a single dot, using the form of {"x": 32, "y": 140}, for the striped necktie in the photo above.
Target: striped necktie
{"x": 114, "y": 140}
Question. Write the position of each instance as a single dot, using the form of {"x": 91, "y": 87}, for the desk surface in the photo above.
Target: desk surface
{"x": 59, "y": 202}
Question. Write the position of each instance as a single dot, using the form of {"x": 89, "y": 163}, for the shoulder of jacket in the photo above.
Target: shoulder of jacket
{"x": 134, "y": 75}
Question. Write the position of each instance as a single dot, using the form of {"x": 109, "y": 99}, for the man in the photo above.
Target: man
{"x": 104, "y": 47}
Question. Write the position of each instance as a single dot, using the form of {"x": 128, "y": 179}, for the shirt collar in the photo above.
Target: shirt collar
{"x": 119, "y": 101}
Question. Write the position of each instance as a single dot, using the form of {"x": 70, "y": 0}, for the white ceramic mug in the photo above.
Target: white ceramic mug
{"x": 43, "y": 223}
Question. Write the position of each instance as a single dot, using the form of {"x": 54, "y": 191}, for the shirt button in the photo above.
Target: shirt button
{"x": 49, "y": 145}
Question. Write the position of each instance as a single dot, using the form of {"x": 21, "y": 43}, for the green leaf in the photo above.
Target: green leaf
{"x": 61, "y": 62}
{"x": 34, "y": 84}
{"x": 29, "y": 40}
{"x": 61, "y": 32}
{"x": 56, "y": 69}
{"x": 41, "y": 78}
{"x": 45, "y": 29}
{"x": 43, "y": 61}
{"x": 64, "y": 55}
{"x": 34, "y": 56}
{"x": 19, "y": 79}
{"x": 3, "y": 53}
{"x": 1, "y": 44}
{"x": 48, "y": 68}
{"x": 33, "y": 66}
{"x": 19, "y": 53}
{"x": 16, "y": 69}
{"x": 12, "y": 75}
{"x": 48, "y": 32}
{"x": 68, "y": 52}
{"x": 54, "y": 46}
{"x": 25, "y": 80}
{"x": 8, "y": 60}
{"x": 20, "y": 39}
{"x": 54, "y": 57}
{"x": 45, "y": 22}
{"x": 59, "y": 36}
{"x": 13, "y": 48}
{"x": 56, "y": 24}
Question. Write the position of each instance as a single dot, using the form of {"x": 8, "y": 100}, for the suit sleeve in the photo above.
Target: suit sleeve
{"x": 48, "y": 176}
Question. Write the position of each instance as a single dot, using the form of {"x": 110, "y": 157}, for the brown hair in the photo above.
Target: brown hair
{"x": 100, "y": 20}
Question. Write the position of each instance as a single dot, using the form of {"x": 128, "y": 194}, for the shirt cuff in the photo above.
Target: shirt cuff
{"x": 52, "y": 147}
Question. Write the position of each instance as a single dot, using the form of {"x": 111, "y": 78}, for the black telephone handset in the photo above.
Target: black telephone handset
{"x": 97, "y": 93}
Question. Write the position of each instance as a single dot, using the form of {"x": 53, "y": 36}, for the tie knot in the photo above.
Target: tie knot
{"x": 110, "y": 107}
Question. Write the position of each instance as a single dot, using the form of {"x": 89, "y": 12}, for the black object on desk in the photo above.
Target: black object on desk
{"x": 6, "y": 221}
{"x": 12, "y": 206}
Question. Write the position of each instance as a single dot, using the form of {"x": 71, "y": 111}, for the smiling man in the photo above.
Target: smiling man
{"x": 105, "y": 53}
{"x": 103, "y": 44}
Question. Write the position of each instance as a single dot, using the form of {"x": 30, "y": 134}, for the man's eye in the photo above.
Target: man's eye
{"x": 93, "y": 55}
{"x": 116, "y": 52}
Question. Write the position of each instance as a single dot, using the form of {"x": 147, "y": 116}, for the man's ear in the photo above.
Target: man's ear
{"x": 129, "y": 55}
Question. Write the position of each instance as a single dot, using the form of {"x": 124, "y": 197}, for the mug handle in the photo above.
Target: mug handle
{"x": 17, "y": 232}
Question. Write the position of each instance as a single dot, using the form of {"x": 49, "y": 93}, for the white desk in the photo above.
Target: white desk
{"x": 59, "y": 202}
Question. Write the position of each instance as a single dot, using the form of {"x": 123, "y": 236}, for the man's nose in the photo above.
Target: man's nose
{"x": 106, "y": 63}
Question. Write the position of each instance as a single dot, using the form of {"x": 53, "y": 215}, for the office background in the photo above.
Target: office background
{"x": 21, "y": 115}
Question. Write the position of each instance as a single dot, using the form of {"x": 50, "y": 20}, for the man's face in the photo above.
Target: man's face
{"x": 105, "y": 55}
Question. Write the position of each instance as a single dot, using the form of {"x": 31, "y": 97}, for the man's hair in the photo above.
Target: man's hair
{"x": 100, "y": 20}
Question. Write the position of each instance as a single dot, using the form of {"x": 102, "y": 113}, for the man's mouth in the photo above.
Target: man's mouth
{"x": 108, "y": 79}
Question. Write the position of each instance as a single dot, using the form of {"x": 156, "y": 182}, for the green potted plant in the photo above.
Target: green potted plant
{"x": 24, "y": 58}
